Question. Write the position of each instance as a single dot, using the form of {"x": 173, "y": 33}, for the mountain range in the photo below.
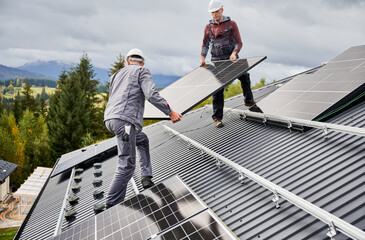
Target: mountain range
{"x": 52, "y": 70}
{"x": 10, "y": 73}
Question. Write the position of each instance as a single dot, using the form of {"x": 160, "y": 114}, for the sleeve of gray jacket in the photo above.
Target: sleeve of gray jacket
{"x": 150, "y": 92}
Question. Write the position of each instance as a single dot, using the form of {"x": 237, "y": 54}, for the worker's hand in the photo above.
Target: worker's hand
{"x": 233, "y": 56}
{"x": 202, "y": 61}
{"x": 175, "y": 116}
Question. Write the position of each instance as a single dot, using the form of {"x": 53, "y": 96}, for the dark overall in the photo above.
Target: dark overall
{"x": 222, "y": 50}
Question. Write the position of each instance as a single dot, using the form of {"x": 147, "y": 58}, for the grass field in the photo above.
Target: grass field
{"x": 8, "y": 233}
{"x": 36, "y": 90}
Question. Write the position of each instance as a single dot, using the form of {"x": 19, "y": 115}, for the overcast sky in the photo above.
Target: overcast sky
{"x": 295, "y": 35}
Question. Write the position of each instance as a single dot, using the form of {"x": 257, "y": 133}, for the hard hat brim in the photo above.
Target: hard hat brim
{"x": 214, "y": 9}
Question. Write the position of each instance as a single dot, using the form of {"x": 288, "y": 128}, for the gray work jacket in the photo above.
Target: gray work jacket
{"x": 127, "y": 92}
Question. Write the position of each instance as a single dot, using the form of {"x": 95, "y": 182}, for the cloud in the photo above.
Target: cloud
{"x": 295, "y": 35}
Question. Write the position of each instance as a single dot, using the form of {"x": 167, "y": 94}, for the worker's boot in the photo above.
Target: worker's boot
{"x": 108, "y": 206}
{"x": 147, "y": 182}
{"x": 218, "y": 123}
{"x": 250, "y": 104}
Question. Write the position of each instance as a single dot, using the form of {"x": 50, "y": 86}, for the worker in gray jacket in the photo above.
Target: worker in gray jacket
{"x": 123, "y": 116}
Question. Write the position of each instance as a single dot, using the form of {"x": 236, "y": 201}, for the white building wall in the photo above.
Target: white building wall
{"x": 4, "y": 189}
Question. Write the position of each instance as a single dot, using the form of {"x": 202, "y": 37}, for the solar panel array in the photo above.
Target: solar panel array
{"x": 74, "y": 158}
{"x": 312, "y": 96}
{"x": 168, "y": 210}
{"x": 198, "y": 85}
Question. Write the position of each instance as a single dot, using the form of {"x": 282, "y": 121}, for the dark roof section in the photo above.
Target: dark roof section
{"x": 326, "y": 172}
{"x": 6, "y": 168}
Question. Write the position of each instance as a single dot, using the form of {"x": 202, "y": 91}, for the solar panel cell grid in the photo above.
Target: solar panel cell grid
{"x": 311, "y": 96}
{"x": 168, "y": 210}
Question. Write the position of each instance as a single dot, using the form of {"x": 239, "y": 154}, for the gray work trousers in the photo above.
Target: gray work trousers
{"x": 128, "y": 138}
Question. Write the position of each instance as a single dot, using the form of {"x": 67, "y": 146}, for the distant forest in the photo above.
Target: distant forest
{"x": 38, "y": 82}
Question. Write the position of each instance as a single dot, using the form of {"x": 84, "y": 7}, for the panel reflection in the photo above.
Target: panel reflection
{"x": 167, "y": 211}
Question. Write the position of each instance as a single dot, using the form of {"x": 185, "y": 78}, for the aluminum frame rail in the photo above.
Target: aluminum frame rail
{"x": 63, "y": 208}
{"x": 305, "y": 123}
{"x": 331, "y": 220}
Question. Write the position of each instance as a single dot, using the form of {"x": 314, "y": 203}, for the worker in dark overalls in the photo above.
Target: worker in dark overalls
{"x": 223, "y": 36}
{"x": 123, "y": 116}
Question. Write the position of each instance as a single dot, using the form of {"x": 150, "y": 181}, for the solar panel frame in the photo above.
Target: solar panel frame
{"x": 189, "y": 91}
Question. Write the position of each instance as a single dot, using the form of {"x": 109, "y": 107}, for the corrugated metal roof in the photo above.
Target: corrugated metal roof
{"x": 326, "y": 172}
{"x": 6, "y": 168}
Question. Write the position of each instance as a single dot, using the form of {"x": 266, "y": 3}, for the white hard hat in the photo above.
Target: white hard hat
{"x": 215, "y": 5}
{"x": 135, "y": 52}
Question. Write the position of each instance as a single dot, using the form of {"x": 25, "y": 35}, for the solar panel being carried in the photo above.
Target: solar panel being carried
{"x": 199, "y": 84}
{"x": 168, "y": 210}
{"x": 314, "y": 96}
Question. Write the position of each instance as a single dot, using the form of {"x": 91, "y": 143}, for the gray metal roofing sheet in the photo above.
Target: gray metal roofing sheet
{"x": 327, "y": 172}
{"x": 6, "y": 168}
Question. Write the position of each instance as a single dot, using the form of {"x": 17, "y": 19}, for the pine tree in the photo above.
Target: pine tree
{"x": 42, "y": 102}
{"x": 117, "y": 65}
{"x": 17, "y": 108}
{"x": 84, "y": 73}
{"x": 68, "y": 116}
{"x": 27, "y": 100}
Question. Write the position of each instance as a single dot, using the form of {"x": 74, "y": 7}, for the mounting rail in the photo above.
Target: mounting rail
{"x": 305, "y": 123}
{"x": 63, "y": 208}
{"x": 331, "y": 220}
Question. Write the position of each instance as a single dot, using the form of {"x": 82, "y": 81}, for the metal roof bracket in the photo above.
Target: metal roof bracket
{"x": 331, "y": 230}
{"x": 325, "y": 132}
{"x": 241, "y": 177}
{"x": 264, "y": 120}
{"x": 218, "y": 163}
{"x": 290, "y": 125}
{"x": 243, "y": 116}
{"x": 276, "y": 199}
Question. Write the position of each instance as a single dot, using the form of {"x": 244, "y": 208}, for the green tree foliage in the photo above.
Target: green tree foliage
{"x": 25, "y": 144}
{"x": 68, "y": 116}
{"x": 40, "y": 82}
{"x": 42, "y": 102}
{"x": 117, "y": 65}
{"x": 34, "y": 134}
{"x": 84, "y": 73}
{"x": 11, "y": 146}
{"x": 17, "y": 111}
{"x": 260, "y": 84}
{"x": 27, "y": 100}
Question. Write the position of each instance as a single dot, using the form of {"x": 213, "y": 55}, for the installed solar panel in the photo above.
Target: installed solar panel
{"x": 201, "y": 83}
{"x": 313, "y": 96}
{"x": 84, "y": 154}
{"x": 169, "y": 210}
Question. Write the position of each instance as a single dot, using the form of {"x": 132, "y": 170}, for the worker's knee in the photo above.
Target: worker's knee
{"x": 142, "y": 140}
